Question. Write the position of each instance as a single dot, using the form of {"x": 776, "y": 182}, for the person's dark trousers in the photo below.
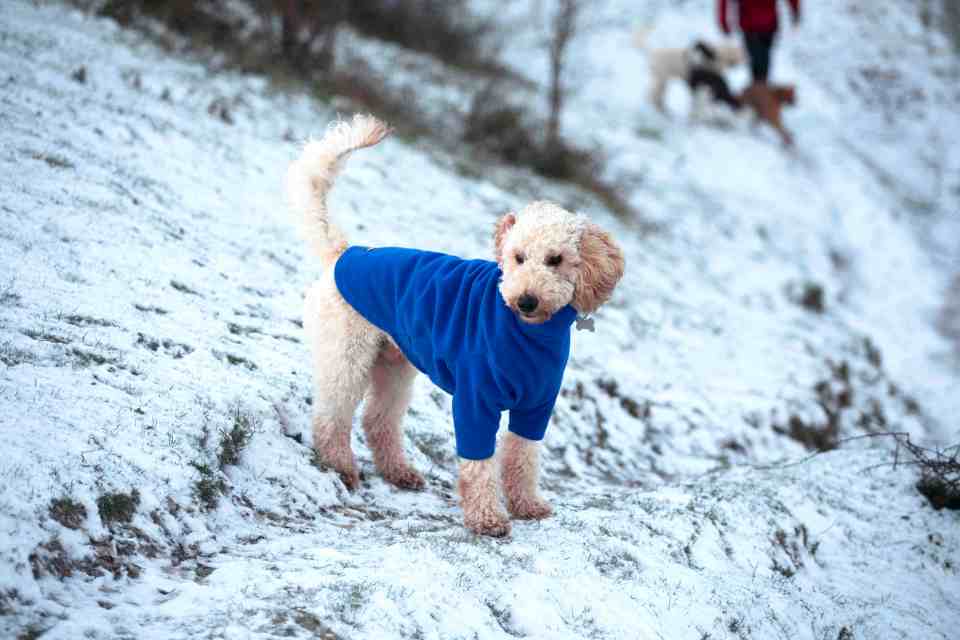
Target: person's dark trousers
{"x": 758, "y": 48}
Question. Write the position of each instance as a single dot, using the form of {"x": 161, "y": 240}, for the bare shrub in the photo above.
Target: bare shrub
{"x": 236, "y": 438}
{"x": 308, "y": 30}
{"x": 564, "y": 28}
{"x": 195, "y": 17}
{"x": 943, "y": 15}
{"x": 510, "y": 132}
{"x": 443, "y": 28}
{"x": 499, "y": 127}
{"x": 939, "y": 474}
{"x": 208, "y": 488}
{"x": 502, "y": 126}
{"x": 939, "y": 468}
{"x": 210, "y": 466}
{"x": 304, "y": 34}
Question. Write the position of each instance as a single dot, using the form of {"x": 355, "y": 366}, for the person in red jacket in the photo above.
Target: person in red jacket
{"x": 758, "y": 22}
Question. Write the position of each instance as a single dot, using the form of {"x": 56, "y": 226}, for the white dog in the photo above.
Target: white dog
{"x": 677, "y": 63}
{"x": 495, "y": 335}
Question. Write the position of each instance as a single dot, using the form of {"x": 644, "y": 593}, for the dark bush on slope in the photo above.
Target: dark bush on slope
{"x": 445, "y": 29}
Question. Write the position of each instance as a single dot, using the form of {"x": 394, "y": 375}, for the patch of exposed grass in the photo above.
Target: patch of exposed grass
{"x": 9, "y": 299}
{"x": 814, "y": 436}
{"x": 233, "y": 440}
{"x": 11, "y": 601}
{"x": 211, "y": 483}
{"x": 80, "y": 320}
{"x": 209, "y": 487}
{"x": 735, "y": 625}
{"x": 45, "y": 336}
{"x": 118, "y": 507}
{"x": 174, "y": 349}
{"x": 281, "y": 623}
{"x": 183, "y": 288}
{"x": 640, "y": 411}
{"x": 87, "y": 358}
{"x": 146, "y": 308}
{"x": 795, "y": 547}
{"x": 254, "y": 310}
{"x": 809, "y": 295}
{"x": 243, "y": 330}
{"x": 31, "y": 633}
{"x": 52, "y": 159}
{"x": 812, "y": 297}
{"x": 234, "y": 359}
{"x": 260, "y": 293}
{"x": 11, "y": 355}
{"x": 314, "y": 625}
{"x": 67, "y": 512}
{"x": 50, "y": 558}
{"x": 649, "y": 132}
{"x": 835, "y": 396}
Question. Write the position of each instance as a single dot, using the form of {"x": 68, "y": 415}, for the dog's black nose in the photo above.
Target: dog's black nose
{"x": 527, "y": 303}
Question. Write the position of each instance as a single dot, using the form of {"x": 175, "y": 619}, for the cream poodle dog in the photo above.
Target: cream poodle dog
{"x": 679, "y": 62}
{"x": 495, "y": 335}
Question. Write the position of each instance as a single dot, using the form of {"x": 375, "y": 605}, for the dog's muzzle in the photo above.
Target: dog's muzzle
{"x": 527, "y": 304}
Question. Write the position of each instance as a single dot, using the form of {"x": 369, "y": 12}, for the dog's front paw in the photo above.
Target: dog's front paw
{"x": 530, "y": 509}
{"x": 405, "y": 478}
{"x": 488, "y": 522}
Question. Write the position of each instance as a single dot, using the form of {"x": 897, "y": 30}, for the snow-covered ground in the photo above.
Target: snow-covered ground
{"x": 151, "y": 288}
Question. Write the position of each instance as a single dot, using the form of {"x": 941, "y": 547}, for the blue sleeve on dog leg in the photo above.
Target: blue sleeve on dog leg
{"x": 475, "y": 424}
{"x": 531, "y": 423}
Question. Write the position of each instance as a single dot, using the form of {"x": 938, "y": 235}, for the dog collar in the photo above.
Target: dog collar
{"x": 585, "y": 323}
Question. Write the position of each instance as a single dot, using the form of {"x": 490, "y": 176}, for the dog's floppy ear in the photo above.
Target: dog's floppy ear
{"x": 601, "y": 267}
{"x": 504, "y": 224}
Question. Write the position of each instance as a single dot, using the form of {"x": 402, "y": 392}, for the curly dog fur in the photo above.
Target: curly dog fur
{"x": 353, "y": 358}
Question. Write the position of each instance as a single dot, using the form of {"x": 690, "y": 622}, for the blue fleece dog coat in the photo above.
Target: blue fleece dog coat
{"x": 448, "y": 318}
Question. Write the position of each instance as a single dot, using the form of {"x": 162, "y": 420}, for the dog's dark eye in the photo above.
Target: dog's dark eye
{"x": 554, "y": 261}
{"x": 519, "y": 258}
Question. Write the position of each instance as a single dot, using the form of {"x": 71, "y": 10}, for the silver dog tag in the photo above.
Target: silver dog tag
{"x": 585, "y": 323}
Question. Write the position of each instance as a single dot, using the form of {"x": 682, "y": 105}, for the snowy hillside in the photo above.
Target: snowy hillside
{"x": 157, "y": 478}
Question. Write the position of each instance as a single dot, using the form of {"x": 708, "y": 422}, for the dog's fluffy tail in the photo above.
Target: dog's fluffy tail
{"x": 311, "y": 177}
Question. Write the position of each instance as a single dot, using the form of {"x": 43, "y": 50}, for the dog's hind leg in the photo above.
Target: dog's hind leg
{"x": 657, "y": 93}
{"x": 345, "y": 347}
{"x": 343, "y": 388}
{"x": 785, "y": 136}
{"x": 519, "y": 469}
{"x": 391, "y": 386}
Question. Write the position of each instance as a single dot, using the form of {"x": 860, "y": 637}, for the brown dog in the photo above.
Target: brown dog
{"x": 767, "y": 100}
